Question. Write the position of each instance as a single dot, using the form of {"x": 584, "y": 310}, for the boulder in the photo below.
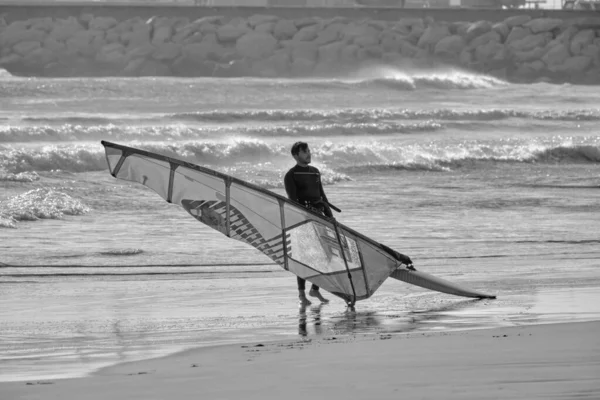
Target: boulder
{"x": 45, "y": 24}
{"x": 255, "y": 45}
{"x": 502, "y": 29}
{"x": 231, "y": 33}
{"x": 433, "y": 35}
{"x": 530, "y": 42}
{"x": 208, "y": 49}
{"x": 477, "y": 29}
{"x": 354, "y": 30}
{"x": 267, "y": 27}
{"x": 284, "y": 29}
{"x": 65, "y": 29}
{"x": 304, "y": 50}
{"x": 557, "y": 55}
{"x": 491, "y": 36}
{"x": 517, "y": 20}
{"x": 53, "y": 45}
{"x": 167, "y": 52}
{"x": 258, "y": 19}
{"x": 307, "y": 34}
{"x": 576, "y": 64}
{"x": 25, "y": 48}
{"x": 162, "y": 34}
{"x": 326, "y": 36}
{"x": 529, "y": 55}
{"x": 517, "y": 33}
{"x": 330, "y": 53}
{"x": 582, "y": 40}
{"x": 102, "y": 23}
{"x": 391, "y": 41}
{"x": 450, "y": 46}
{"x": 539, "y": 25}
{"x": 302, "y": 67}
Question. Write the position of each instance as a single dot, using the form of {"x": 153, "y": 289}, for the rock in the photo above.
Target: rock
{"x": 307, "y": 34}
{"x": 391, "y": 41}
{"x": 142, "y": 51}
{"x": 450, "y": 46}
{"x": 10, "y": 59}
{"x": 284, "y": 29}
{"x": 267, "y": 27}
{"x": 582, "y": 40}
{"x": 433, "y": 35}
{"x": 304, "y": 50}
{"x": 484, "y": 39}
{"x": 102, "y": 23}
{"x": 353, "y": 31}
{"x": 326, "y": 36}
{"x": 256, "y": 45}
{"x": 231, "y": 33}
{"x": 162, "y": 34}
{"x": 154, "y": 68}
{"x": 543, "y": 24}
{"x": 529, "y": 55}
{"x": 65, "y": 29}
{"x": 530, "y": 42}
{"x": 42, "y": 24}
{"x": 477, "y": 29}
{"x": 576, "y": 64}
{"x": 517, "y": 33}
{"x": 502, "y": 29}
{"x": 167, "y": 52}
{"x": 556, "y": 55}
{"x": 517, "y": 20}
{"x": 330, "y": 53}
{"x": 25, "y": 48}
{"x": 302, "y": 67}
{"x": 258, "y": 19}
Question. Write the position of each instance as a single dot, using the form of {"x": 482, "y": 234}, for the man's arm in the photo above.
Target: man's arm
{"x": 290, "y": 186}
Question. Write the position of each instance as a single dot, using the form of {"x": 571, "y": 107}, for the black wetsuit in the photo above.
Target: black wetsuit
{"x": 303, "y": 185}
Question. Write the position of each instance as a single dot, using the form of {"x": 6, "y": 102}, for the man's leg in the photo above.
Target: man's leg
{"x": 314, "y": 292}
{"x": 301, "y": 296}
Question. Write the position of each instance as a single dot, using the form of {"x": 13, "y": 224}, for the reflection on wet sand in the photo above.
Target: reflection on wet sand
{"x": 350, "y": 321}
{"x": 315, "y": 319}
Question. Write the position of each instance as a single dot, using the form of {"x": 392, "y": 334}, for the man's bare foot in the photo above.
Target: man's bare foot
{"x": 303, "y": 301}
{"x": 317, "y": 294}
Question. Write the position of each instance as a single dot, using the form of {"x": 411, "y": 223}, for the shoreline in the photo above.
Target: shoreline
{"x": 531, "y": 362}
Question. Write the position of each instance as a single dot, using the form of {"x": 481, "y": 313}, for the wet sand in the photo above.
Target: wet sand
{"x": 530, "y": 362}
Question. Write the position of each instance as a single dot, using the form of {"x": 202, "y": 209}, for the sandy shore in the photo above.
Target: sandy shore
{"x": 559, "y": 361}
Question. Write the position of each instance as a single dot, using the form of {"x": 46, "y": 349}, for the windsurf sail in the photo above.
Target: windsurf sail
{"x": 316, "y": 248}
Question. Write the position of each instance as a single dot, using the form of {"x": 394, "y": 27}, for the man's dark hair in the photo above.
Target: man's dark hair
{"x": 299, "y": 146}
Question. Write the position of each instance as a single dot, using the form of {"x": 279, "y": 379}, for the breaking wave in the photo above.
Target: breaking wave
{"x": 42, "y": 203}
{"x": 64, "y": 133}
{"x": 375, "y": 115}
{"x": 249, "y": 156}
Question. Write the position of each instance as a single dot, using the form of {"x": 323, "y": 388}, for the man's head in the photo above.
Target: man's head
{"x": 301, "y": 153}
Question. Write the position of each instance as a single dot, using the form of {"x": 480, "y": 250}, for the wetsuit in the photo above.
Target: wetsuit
{"x": 303, "y": 185}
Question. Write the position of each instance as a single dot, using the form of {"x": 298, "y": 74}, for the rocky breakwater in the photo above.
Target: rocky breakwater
{"x": 519, "y": 48}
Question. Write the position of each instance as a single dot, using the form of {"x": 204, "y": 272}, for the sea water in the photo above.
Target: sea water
{"x": 485, "y": 183}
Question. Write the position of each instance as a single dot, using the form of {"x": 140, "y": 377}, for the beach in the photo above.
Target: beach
{"x": 109, "y": 291}
{"x": 533, "y": 362}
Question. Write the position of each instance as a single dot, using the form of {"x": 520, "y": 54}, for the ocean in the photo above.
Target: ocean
{"x": 485, "y": 183}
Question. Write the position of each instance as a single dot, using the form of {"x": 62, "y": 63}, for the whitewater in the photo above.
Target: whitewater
{"x": 482, "y": 182}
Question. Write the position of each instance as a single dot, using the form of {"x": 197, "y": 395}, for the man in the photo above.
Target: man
{"x": 303, "y": 185}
